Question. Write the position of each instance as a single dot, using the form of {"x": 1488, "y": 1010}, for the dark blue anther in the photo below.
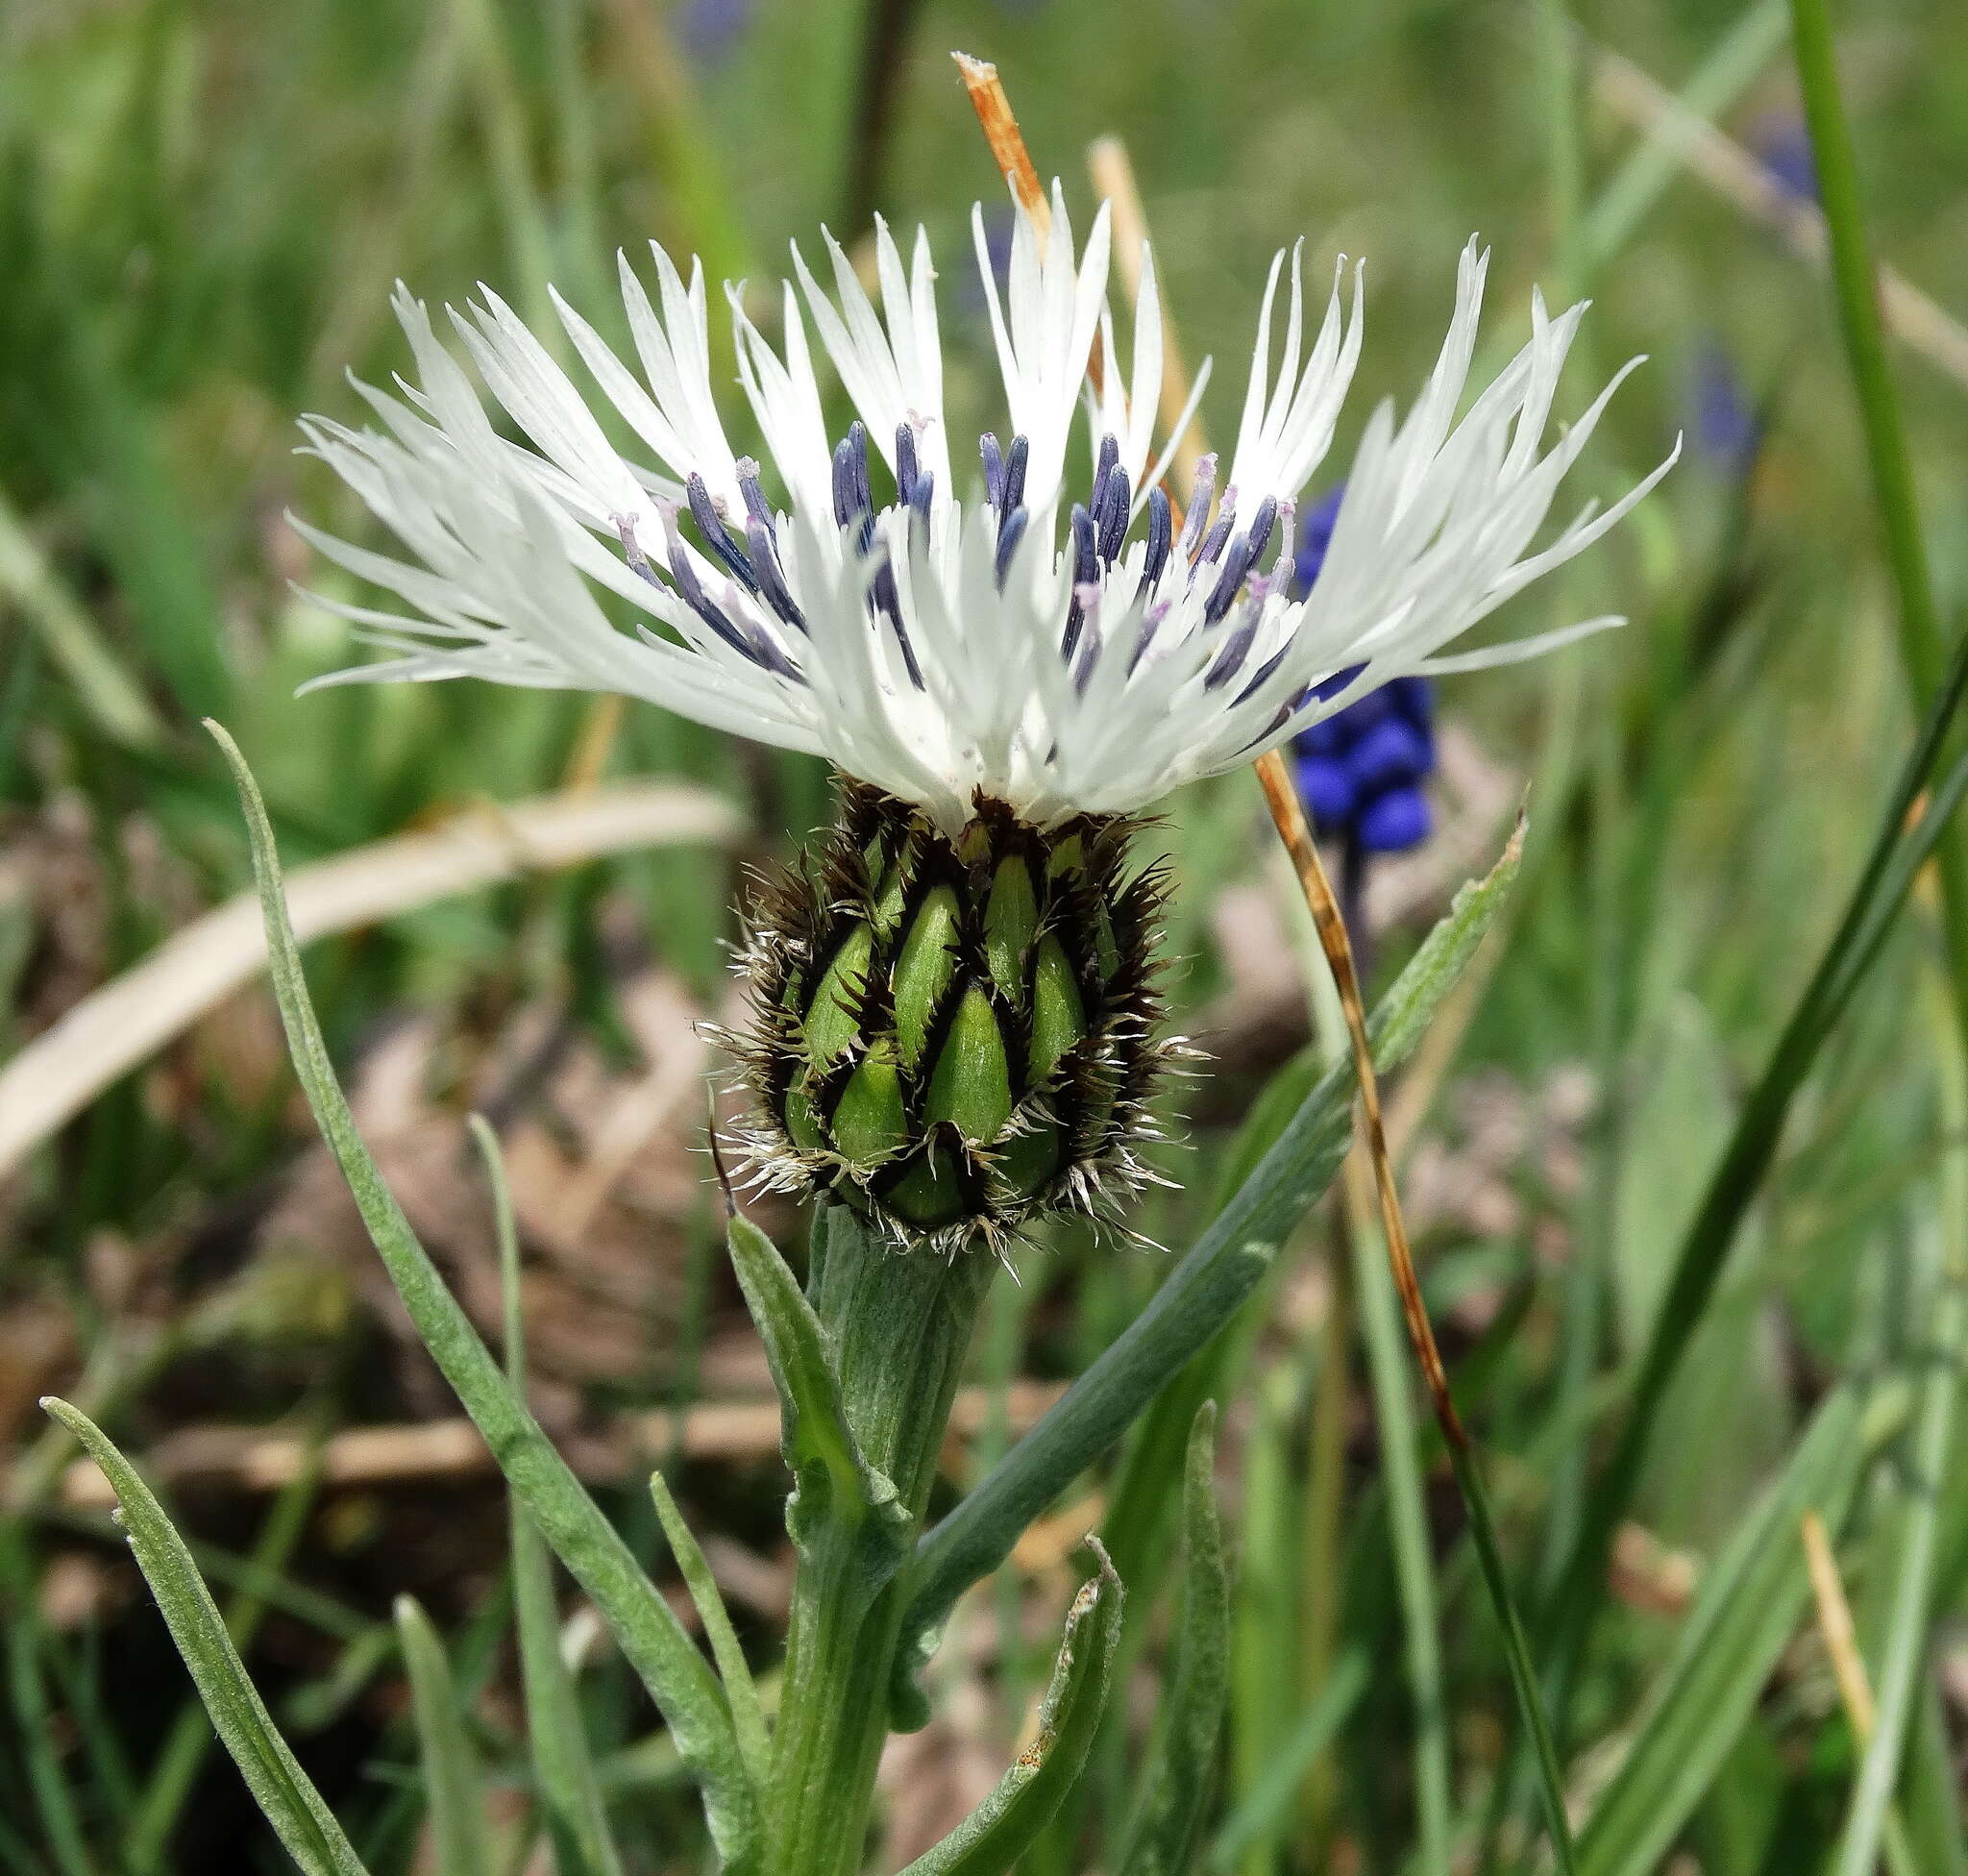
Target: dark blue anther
{"x": 853, "y": 495}
{"x": 920, "y": 490}
{"x": 1213, "y": 541}
{"x": 1110, "y": 513}
{"x": 1152, "y": 623}
{"x": 772, "y": 582}
{"x": 1084, "y": 546}
{"x": 993, "y": 470}
{"x": 1087, "y": 602}
{"x": 1237, "y": 561}
{"x": 749, "y": 486}
{"x": 1105, "y": 463}
{"x": 1085, "y": 572}
{"x": 716, "y": 535}
{"x": 905, "y": 463}
{"x": 1161, "y": 534}
{"x": 1236, "y": 649}
{"x": 1263, "y": 674}
{"x": 1201, "y": 495}
{"x": 1261, "y": 525}
{"x": 884, "y": 597}
{"x": 1016, "y": 459}
{"x": 1009, "y": 534}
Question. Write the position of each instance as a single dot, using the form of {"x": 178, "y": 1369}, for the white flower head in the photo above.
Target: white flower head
{"x": 1057, "y": 639}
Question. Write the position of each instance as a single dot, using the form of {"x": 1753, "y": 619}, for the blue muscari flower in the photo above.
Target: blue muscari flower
{"x": 712, "y": 28}
{"x": 1360, "y": 771}
{"x": 1722, "y": 422}
{"x": 1782, "y": 145}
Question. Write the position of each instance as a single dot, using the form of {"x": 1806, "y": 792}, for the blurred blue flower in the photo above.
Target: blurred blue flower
{"x": 1000, "y": 224}
{"x": 1782, "y": 145}
{"x": 711, "y": 28}
{"x": 1360, "y": 771}
{"x": 1314, "y": 536}
{"x": 1722, "y": 422}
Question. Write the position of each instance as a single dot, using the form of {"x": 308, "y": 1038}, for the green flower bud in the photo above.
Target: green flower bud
{"x": 955, "y": 1036}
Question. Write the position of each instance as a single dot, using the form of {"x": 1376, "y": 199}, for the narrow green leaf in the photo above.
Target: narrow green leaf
{"x": 1748, "y": 1608}
{"x": 566, "y": 1789}
{"x": 831, "y": 1481}
{"x": 748, "y": 1716}
{"x": 1199, "y": 1297}
{"x": 1266, "y": 1812}
{"x": 680, "y": 1679}
{"x": 1886, "y": 878}
{"x": 1910, "y": 1538}
{"x": 454, "y": 1783}
{"x": 1183, "y": 1771}
{"x": 990, "y": 1841}
{"x": 292, "y": 1806}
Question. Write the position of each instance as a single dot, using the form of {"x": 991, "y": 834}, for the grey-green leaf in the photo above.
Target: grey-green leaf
{"x": 293, "y": 1806}
{"x": 990, "y": 1841}
{"x": 1183, "y": 1771}
{"x": 1750, "y": 1600}
{"x": 1199, "y": 1297}
{"x": 680, "y": 1679}
{"x": 747, "y": 1715}
{"x": 831, "y": 1480}
{"x": 567, "y": 1791}
{"x": 454, "y": 1783}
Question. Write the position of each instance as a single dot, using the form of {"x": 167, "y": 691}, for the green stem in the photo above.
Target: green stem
{"x": 900, "y": 1325}
{"x": 1923, "y": 645}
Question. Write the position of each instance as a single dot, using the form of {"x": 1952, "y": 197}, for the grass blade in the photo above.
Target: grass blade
{"x": 453, "y": 1785}
{"x": 990, "y": 1841}
{"x": 1395, "y": 1419}
{"x": 1181, "y": 1775}
{"x": 1199, "y": 1297}
{"x": 1266, "y": 1812}
{"x": 1898, "y": 853}
{"x": 566, "y": 1788}
{"x": 747, "y": 1715}
{"x": 1748, "y": 1608}
{"x": 284, "y": 1791}
{"x": 679, "y": 1678}
{"x": 1913, "y": 1537}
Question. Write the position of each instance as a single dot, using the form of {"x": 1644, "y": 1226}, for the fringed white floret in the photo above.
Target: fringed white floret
{"x": 951, "y": 632}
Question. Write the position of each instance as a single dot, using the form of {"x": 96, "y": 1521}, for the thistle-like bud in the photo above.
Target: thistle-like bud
{"x": 955, "y": 1036}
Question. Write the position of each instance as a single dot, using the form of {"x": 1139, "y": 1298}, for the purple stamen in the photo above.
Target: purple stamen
{"x": 1015, "y": 461}
{"x": 905, "y": 464}
{"x": 920, "y": 490}
{"x": 1236, "y": 649}
{"x": 1200, "y": 496}
{"x": 631, "y": 550}
{"x": 853, "y": 495}
{"x": 1010, "y": 534}
{"x": 717, "y": 536}
{"x": 691, "y": 589}
{"x": 1161, "y": 533}
{"x": 1261, "y": 526}
{"x": 1087, "y": 600}
{"x": 1152, "y": 623}
{"x": 993, "y": 470}
{"x": 1236, "y": 564}
{"x": 1110, "y": 513}
{"x": 749, "y": 486}
{"x": 772, "y": 582}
